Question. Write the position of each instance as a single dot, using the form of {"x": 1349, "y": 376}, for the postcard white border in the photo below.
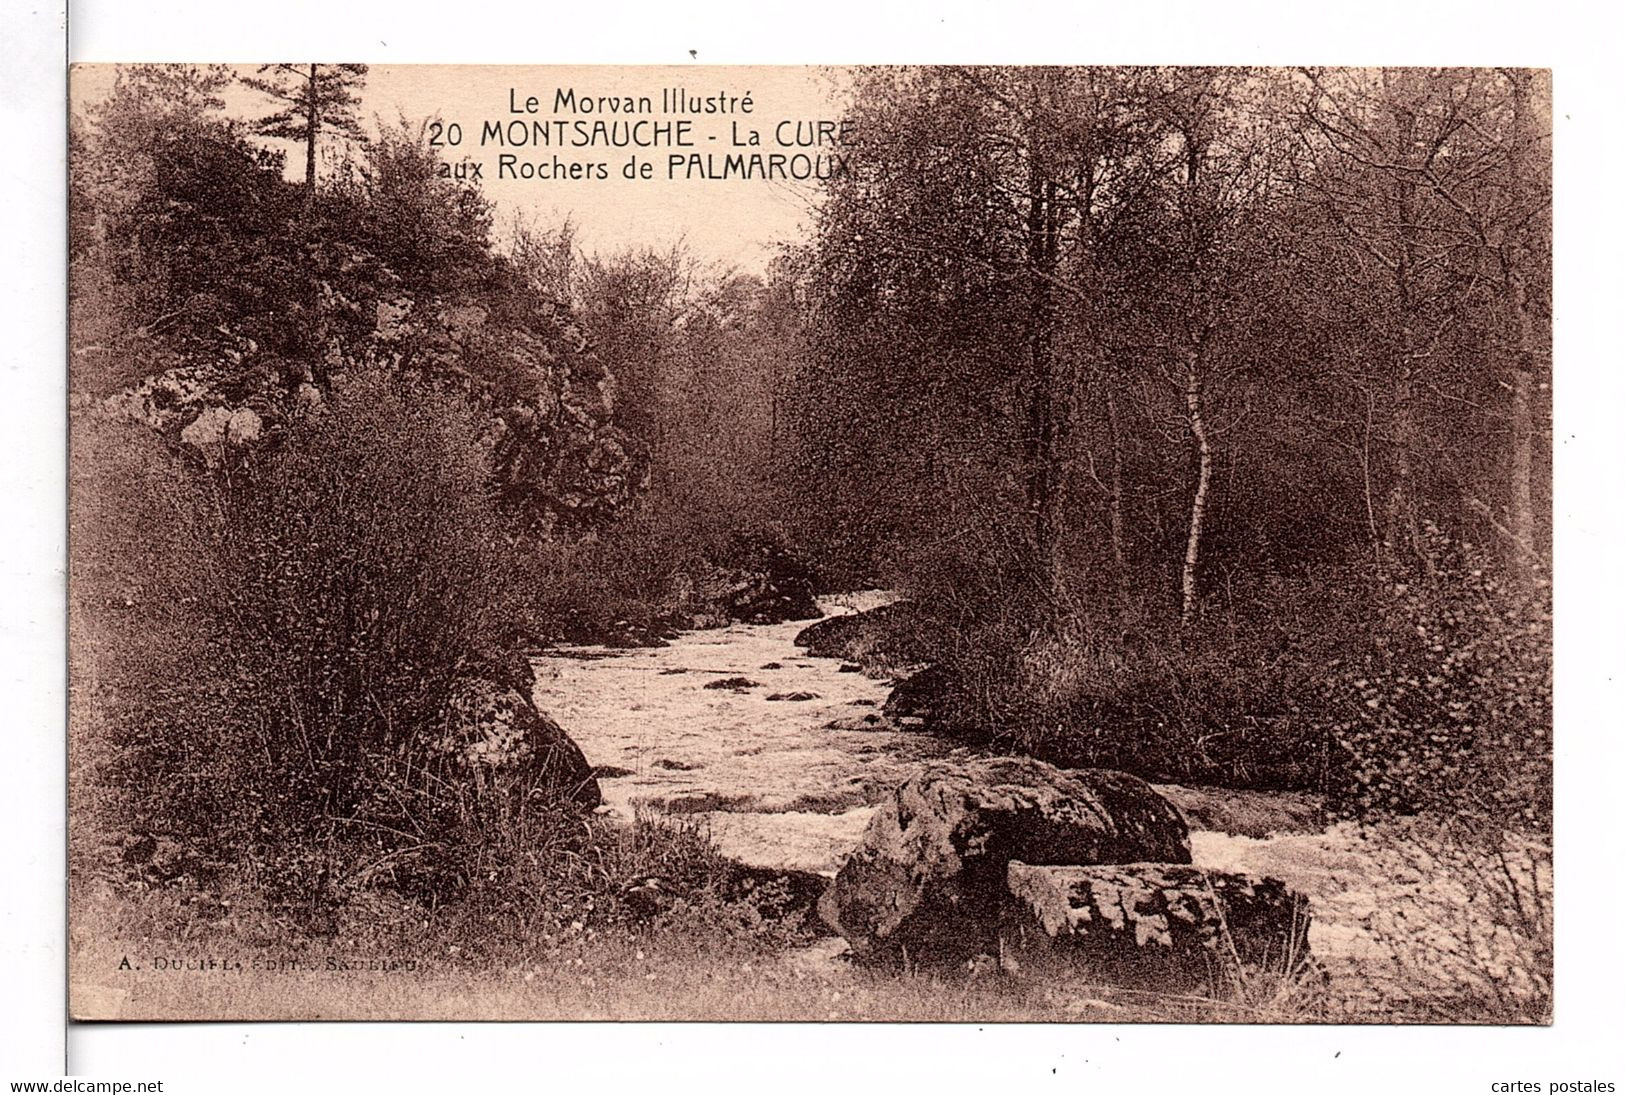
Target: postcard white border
{"x": 410, "y": 1057}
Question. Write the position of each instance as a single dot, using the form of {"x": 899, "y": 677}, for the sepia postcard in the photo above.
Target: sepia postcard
{"x": 834, "y": 544}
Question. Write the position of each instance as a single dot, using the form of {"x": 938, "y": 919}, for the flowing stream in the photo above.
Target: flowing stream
{"x": 776, "y": 785}
{"x": 769, "y": 749}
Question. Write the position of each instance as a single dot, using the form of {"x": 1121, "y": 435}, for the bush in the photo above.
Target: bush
{"x": 1232, "y": 700}
{"x": 342, "y": 574}
{"x": 141, "y": 643}
{"x": 625, "y": 583}
{"x": 1449, "y": 709}
{"x": 1464, "y": 930}
{"x": 573, "y": 880}
{"x": 661, "y": 568}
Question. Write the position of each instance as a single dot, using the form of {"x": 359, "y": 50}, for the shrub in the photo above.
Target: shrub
{"x": 659, "y": 568}
{"x": 140, "y": 645}
{"x": 598, "y": 588}
{"x": 347, "y": 571}
{"x": 573, "y": 879}
{"x": 1449, "y": 708}
{"x": 1464, "y": 929}
{"x": 1233, "y": 699}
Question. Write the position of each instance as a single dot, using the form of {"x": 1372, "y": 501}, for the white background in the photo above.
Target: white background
{"x": 1583, "y": 1043}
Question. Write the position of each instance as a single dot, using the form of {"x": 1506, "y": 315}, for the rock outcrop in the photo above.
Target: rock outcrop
{"x": 207, "y": 409}
{"x": 557, "y": 459}
{"x": 1151, "y": 925}
{"x": 756, "y": 579}
{"x": 498, "y": 744}
{"x": 928, "y": 881}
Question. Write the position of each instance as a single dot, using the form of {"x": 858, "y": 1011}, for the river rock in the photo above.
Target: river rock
{"x": 866, "y": 723}
{"x": 832, "y": 637}
{"x": 889, "y": 630}
{"x": 731, "y": 684}
{"x": 921, "y": 701}
{"x": 927, "y": 881}
{"x": 497, "y": 741}
{"x": 1161, "y": 926}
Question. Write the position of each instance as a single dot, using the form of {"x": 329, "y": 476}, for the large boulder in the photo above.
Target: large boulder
{"x": 927, "y": 881}
{"x": 1160, "y": 926}
{"x": 890, "y": 631}
{"x": 503, "y": 749}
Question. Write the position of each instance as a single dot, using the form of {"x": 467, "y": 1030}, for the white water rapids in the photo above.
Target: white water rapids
{"x": 776, "y": 786}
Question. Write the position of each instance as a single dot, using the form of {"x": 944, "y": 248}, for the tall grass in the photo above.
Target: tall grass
{"x": 1233, "y": 699}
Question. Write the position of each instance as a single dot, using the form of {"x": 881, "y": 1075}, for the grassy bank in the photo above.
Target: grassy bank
{"x": 694, "y": 966}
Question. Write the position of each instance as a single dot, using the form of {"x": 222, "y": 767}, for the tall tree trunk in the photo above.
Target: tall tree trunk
{"x": 773, "y": 427}
{"x": 1042, "y": 481}
{"x": 1400, "y": 525}
{"x": 1401, "y": 532}
{"x": 1194, "y": 411}
{"x": 1521, "y": 336}
{"x": 1119, "y": 551}
{"x": 1521, "y": 507}
{"x": 312, "y": 124}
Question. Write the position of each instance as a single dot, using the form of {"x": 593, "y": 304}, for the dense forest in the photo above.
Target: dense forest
{"x": 1200, "y": 416}
{"x": 1201, "y": 396}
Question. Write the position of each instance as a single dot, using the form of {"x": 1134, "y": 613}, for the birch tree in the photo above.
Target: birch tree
{"x": 1219, "y": 188}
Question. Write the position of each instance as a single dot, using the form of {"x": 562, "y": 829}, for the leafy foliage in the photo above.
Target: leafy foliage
{"x": 1450, "y": 708}
{"x": 335, "y": 586}
{"x": 1236, "y": 704}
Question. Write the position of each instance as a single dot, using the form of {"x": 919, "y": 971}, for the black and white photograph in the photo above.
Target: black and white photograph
{"x": 990, "y": 545}
{"x": 840, "y": 544}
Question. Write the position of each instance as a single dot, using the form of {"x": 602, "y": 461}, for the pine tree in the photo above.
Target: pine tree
{"x": 315, "y": 98}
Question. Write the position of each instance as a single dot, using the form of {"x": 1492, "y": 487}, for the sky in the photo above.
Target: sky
{"x": 735, "y": 223}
